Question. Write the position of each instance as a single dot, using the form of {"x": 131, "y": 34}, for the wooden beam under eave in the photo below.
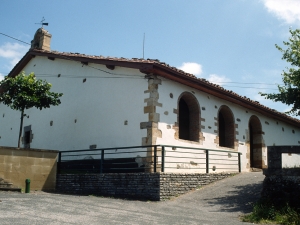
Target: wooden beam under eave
{"x": 147, "y": 69}
{"x": 51, "y": 58}
{"x": 111, "y": 67}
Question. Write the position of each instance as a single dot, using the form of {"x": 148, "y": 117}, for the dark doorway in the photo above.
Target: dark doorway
{"x": 226, "y": 127}
{"x": 251, "y": 144}
{"x": 256, "y": 143}
{"x": 188, "y": 117}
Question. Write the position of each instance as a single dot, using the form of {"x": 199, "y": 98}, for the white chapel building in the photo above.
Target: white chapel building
{"x": 114, "y": 102}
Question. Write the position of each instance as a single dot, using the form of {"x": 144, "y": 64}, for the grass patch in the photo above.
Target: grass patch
{"x": 265, "y": 211}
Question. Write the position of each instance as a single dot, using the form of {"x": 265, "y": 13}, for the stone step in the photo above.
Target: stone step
{"x": 5, "y": 185}
{"x": 256, "y": 169}
{"x": 3, "y": 182}
{"x": 10, "y": 189}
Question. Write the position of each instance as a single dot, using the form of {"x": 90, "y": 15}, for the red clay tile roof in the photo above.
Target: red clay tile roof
{"x": 165, "y": 70}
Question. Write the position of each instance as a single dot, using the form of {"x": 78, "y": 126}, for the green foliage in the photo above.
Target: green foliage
{"x": 289, "y": 93}
{"x": 265, "y": 211}
{"x": 24, "y": 92}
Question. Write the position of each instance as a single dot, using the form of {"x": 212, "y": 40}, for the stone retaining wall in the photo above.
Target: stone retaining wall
{"x": 17, "y": 165}
{"x": 281, "y": 185}
{"x": 146, "y": 186}
{"x": 281, "y": 189}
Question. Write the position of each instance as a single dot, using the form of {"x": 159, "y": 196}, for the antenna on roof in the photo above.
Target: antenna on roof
{"x": 143, "y": 45}
{"x": 42, "y": 22}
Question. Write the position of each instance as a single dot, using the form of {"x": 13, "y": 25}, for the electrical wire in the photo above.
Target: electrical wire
{"x": 128, "y": 76}
{"x": 15, "y": 39}
{"x": 135, "y": 76}
{"x": 229, "y": 82}
{"x": 64, "y": 56}
{"x": 131, "y": 76}
{"x": 249, "y": 87}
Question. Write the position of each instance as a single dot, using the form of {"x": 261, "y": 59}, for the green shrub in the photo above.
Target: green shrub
{"x": 265, "y": 211}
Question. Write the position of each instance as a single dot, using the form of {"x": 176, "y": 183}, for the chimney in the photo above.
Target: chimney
{"x": 41, "y": 40}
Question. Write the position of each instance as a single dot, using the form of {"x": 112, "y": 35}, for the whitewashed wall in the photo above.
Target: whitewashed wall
{"x": 291, "y": 160}
{"x": 100, "y": 106}
{"x": 273, "y": 132}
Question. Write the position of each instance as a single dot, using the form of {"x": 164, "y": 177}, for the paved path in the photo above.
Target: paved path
{"x": 219, "y": 203}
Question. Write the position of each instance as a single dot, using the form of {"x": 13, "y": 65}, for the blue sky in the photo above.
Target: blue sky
{"x": 229, "y": 42}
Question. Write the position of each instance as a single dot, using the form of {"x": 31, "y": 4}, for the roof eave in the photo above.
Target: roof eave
{"x": 104, "y": 61}
{"x": 163, "y": 71}
{"x": 21, "y": 64}
{"x": 222, "y": 94}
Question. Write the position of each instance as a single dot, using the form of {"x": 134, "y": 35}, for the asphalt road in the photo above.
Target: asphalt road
{"x": 222, "y": 202}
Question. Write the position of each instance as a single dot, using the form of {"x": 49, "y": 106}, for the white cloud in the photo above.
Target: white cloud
{"x": 1, "y": 77}
{"x": 253, "y": 92}
{"x": 287, "y": 10}
{"x": 191, "y": 67}
{"x": 287, "y": 109}
{"x": 257, "y": 97}
{"x": 216, "y": 79}
{"x": 12, "y": 52}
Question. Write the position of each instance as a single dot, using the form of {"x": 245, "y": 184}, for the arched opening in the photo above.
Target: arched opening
{"x": 256, "y": 143}
{"x": 226, "y": 127}
{"x": 188, "y": 117}
{"x": 184, "y": 120}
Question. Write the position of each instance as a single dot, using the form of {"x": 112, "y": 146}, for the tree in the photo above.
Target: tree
{"x": 25, "y": 91}
{"x": 289, "y": 93}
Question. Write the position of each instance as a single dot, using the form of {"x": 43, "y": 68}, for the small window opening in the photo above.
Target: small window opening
{"x": 27, "y": 137}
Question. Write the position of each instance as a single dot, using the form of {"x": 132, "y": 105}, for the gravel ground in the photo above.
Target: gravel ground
{"x": 222, "y": 202}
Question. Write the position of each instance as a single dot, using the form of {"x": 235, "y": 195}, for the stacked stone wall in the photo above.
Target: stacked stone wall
{"x": 281, "y": 185}
{"x": 175, "y": 184}
{"x": 144, "y": 186}
{"x": 282, "y": 189}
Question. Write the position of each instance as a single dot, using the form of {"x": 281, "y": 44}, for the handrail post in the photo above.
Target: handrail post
{"x": 155, "y": 155}
{"x": 102, "y": 161}
{"x": 59, "y": 163}
{"x": 239, "y": 161}
{"x": 207, "y": 161}
{"x": 163, "y": 159}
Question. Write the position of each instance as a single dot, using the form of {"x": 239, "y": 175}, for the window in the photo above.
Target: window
{"x": 27, "y": 137}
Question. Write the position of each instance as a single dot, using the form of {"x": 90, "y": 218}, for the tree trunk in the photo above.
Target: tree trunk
{"x": 21, "y": 126}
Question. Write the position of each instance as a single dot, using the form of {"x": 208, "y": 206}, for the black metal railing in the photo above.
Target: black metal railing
{"x": 151, "y": 158}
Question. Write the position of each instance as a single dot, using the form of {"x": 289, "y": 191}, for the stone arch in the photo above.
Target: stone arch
{"x": 188, "y": 117}
{"x": 226, "y": 127}
{"x": 255, "y": 143}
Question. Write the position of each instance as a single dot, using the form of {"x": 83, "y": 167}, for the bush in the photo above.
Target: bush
{"x": 265, "y": 211}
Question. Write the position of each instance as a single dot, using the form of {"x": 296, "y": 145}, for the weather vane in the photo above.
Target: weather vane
{"x": 42, "y": 22}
